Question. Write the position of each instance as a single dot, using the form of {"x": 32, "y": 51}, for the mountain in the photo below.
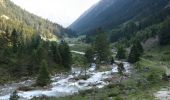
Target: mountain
{"x": 26, "y": 40}
{"x": 12, "y": 12}
{"x": 109, "y": 14}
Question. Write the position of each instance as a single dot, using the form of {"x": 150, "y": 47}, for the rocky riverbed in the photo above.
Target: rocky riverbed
{"x": 64, "y": 84}
{"x": 163, "y": 94}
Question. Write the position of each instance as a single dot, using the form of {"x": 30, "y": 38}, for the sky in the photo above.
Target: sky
{"x": 63, "y": 12}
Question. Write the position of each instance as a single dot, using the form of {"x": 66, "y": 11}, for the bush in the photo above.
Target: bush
{"x": 153, "y": 77}
{"x": 113, "y": 94}
{"x": 148, "y": 56}
{"x": 83, "y": 93}
{"x": 118, "y": 98}
{"x": 25, "y": 88}
{"x": 112, "y": 86}
{"x": 14, "y": 96}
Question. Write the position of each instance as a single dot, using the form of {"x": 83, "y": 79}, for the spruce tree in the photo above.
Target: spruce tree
{"x": 121, "y": 53}
{"x": 139, "y": 47}
{"x": 65, "y": 54}
{"x": 165, "y": 32}
{"x": 14, "y": 96}
{"x": 14, "y": 39}
{"x": 43, "y": 78}
{"x": 55, "y": 53}
{"x": 89, "y": 55}
{"x": 134, "y": 54}
{"x": 102, "y": 47}
{"x": 41, "y": 52}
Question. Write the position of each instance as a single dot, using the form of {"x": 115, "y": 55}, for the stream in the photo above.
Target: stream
{"x": 163, "y": 94}
{"x": 63, "y": 85}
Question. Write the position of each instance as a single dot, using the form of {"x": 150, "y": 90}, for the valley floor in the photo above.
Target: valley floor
{"x": 103, "y": 84}
{"x": 156, "y": 61}
{"x": 63, "y": 85}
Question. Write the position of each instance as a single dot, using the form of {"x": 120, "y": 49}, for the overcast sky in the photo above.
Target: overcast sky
{"x": 63, "y": 12}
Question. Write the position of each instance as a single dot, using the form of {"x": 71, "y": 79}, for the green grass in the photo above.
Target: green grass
{"x": 160, "y": 54}
{"x": 79, "y": 47}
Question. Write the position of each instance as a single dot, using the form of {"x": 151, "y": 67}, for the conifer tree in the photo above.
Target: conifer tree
{"x": 121, "y": 53}
{"x": 89, "y": 55}
{"x": 136, "y": 51}
{"x": 134, "y": 54}
{"x": 102, "y": 47}
{"x": 165, "y": 32}
{"x": 41, "y": 53}
{"x": 14, "y": 39}
{"x": 65, "y": 54}
{"x": 139, "y": 47}
{"x": 43, "y": 78}
{"x": 55, "y": 53}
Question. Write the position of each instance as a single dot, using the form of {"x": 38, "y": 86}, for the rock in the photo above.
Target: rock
{"x": 81, "y": 83}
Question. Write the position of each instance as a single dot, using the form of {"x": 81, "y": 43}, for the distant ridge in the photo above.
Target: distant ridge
{"x": 108, "y": 14}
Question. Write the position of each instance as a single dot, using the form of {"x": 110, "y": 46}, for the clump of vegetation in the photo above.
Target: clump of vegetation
{"x": 14, "y": 96}
{"x": 112, "y": 61}
{"x": 121, "y": 70}
{"x": 25, "y": 88}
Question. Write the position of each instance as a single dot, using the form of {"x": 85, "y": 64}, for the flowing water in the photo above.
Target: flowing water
{"x": 63, "y": 85}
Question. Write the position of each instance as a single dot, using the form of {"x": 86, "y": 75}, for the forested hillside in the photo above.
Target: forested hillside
{"x": 109, "y": 14}
{"x": 27, "y": 40}
{"x": 10, "y": 11}
{"x": 124, "y": 21}
{"x": 122, "y": 53}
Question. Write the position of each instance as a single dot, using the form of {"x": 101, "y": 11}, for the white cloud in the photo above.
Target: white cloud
{"x": 63, "y": 12}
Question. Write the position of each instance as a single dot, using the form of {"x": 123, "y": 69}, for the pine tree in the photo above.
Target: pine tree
{"x": 121, "y": 53}
{"x": 14, "y": 39}
{"x": 41, "y": 53}
{"x": 14, "y": 96}
{"x": 165, "y": 32}
{"x": 139, "y": 47}
{"x": 65, "y": 54}
{"x": 35, "y": 41}
{"x": 134, "y": 54}
{"x": 55, "y": 53}
{"x": 89, "y": 55}
{"x": 43, "y": 78}
{"x": 20, "y": 45}
{"x": 102, "y": 47}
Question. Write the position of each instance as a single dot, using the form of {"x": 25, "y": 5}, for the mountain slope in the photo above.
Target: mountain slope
{"x": 10, "y": 11}
{"x": 110, "y": 13}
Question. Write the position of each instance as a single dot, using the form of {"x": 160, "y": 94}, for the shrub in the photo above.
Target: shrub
{"x": 25, "y": 88}
{"x": 14, "y": 96}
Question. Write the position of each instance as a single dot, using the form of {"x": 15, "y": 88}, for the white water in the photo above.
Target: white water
{"x": 62, "y": 86}
{"x": 163, "y": 94}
